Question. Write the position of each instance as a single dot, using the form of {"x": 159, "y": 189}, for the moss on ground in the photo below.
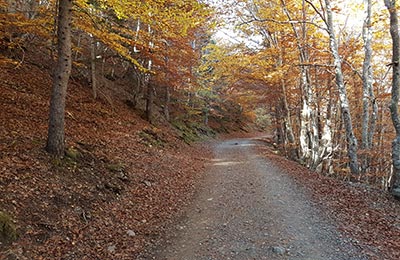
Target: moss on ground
{"x": 8, "y": 232}
{"x": 191, "y": 132}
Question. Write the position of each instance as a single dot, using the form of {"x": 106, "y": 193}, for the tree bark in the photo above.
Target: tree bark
{"x": 166, "y": 104}
{"x": 288, "y": 122}
{"x": 149, "y": 103}
{"x": 55, "y": 139}
{"x": 366, "y": 76}
{"x": 367, "y": 79}
{"x": 93, "y": 65}
{"x": 394, "y": 106}
{"x": 309, "y": 141}
{"x": 352, "y": 146}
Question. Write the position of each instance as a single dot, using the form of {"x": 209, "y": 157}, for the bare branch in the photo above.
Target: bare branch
{"x": 314, "y": 65}
{"x": 321, "y": 14}
{"x": 353, "y": 69}
{"x": 282, "y": 22}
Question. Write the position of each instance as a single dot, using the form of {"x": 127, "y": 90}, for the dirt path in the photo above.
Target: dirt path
{"x": 249, "y": 209}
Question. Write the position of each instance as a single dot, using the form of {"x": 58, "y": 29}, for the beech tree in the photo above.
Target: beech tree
{"x": 309, "y": 136}
{"x": 394, "y": 103}
{"x": 367, "y": 78}
{"x": 310, "y": 74}
{"x": 319, "y": 152}
{"x": 55, "y": 140}
{"x": 352, "y": 145}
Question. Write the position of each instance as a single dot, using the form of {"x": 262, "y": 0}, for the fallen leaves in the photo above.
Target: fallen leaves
{"x": 111, "y": 198}
{"x": 368, "y": 216}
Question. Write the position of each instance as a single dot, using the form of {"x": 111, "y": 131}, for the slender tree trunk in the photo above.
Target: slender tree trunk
{"x": 373, "y": 118}
{"x": 394, "y": 104}
{"x": 167, "y": 89}
{"x": 166, "y": 104}
{"x": 149, "y": 103}
{"x": 326, "y": 140}
{"x": 93, "y": 65}
{"x": 367, "y": 80}
{"x": 288, "y": 129}
{"x": 366, "y": 76}
{"x": 288, "y": 123}
{"x": 352, "y": 146}
{"x": 55, "y": 140}
{"x": 150, "y": 87}
{"x": 279, "y": 135}
{"x": 137, "y": 87}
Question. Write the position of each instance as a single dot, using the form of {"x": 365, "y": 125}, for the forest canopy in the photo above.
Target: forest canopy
{"x": 317, "y": 72}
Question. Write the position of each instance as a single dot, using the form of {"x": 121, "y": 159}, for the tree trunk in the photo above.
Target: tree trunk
{"x": 309, "y": 141}
{"x": 374, "y": 117}
{"x": 394, "y": 106}
{"x": 206, "y": 111}
{"x": 166, "y": 104}
{"x": 366, "y": 76}
{"x": 288, "y": 122}
{"x": 55, "y": 139}
{"x": 149, "y": 103}
{"x": 326, "y": 142}
{"x": 352, "y": 146}
{"x": 367, "y": 80}
{"x": 93, "y": 65}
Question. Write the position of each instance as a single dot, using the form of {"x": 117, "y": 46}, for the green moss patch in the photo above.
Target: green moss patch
{"x": 191, "y": 132}
{"x": 152, "y": 136}
{"x": 8, "y": 232}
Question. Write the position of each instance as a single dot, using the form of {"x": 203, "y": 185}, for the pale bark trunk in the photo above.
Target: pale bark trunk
{"x": 309, "y": 141}
{"x": 305, "y": 152}
{"x": 326, "y": 144}
{"x": 373, "y": 119}
{"x": 55, "y": 140}
{"x": 288, "y": 129}
{"x": 288, "y": 121}
{"x": 352, "y": 146}
{"x": 367, "y": 77}
{"x": 394, "y": 106}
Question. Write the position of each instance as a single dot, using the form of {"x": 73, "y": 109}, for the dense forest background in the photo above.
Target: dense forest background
{"x": 104, "y": 86}
{"x": 318, "y": 73}
{"x": 322, "y": 70}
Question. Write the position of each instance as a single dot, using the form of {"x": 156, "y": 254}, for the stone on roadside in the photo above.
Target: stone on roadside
{"x": 131, "y": 233}
{"x": 111, "y": 249}
{"x": 278, "y": 250}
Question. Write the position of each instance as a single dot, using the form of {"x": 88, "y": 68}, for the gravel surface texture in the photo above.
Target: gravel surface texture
{"x": 249, "y": 209}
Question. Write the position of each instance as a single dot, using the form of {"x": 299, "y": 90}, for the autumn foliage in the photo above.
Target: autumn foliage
{"x": 280, "y": 59}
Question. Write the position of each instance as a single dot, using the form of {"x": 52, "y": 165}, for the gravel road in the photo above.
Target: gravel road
{"x": 249, "y": 209}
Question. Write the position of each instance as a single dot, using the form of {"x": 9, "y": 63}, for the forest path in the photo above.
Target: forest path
{"x": 249, "y": 209}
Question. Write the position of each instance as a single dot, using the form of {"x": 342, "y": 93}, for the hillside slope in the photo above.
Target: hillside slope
{"x": 120, "y": 183}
